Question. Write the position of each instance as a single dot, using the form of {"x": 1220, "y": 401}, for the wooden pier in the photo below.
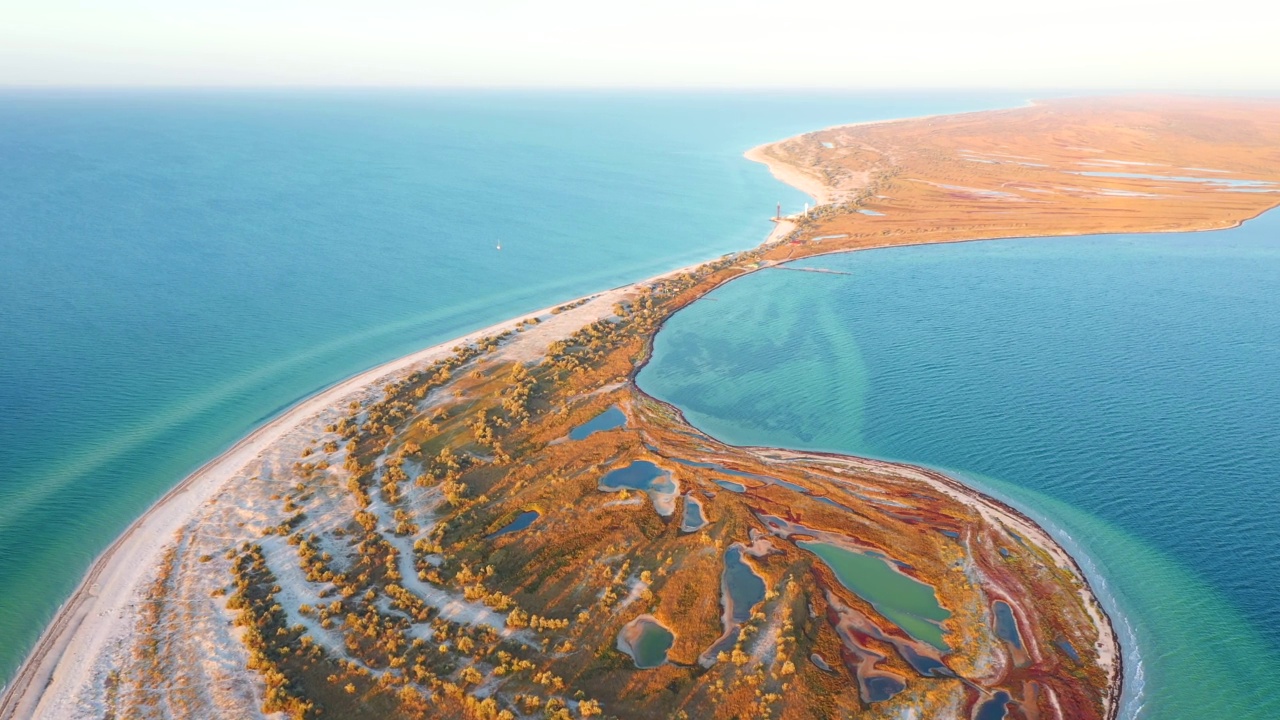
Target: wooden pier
{"x": 805, "y": 269}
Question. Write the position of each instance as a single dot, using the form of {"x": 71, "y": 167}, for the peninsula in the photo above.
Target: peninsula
{"x": 505, "y": 526}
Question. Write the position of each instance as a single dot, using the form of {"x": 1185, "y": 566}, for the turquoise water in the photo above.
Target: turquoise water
{"x": 179, "y": 267}
{"x": 652, "y": 644}
{"x": 1124, "y": 390}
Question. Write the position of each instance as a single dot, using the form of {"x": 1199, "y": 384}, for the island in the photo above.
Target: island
{"x": 505, "y": 526}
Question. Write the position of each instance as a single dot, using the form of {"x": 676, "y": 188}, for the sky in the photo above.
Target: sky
{"x": 1223, "y": 45}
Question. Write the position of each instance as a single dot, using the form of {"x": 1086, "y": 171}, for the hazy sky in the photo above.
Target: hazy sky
{"x": 1200, "y": 44}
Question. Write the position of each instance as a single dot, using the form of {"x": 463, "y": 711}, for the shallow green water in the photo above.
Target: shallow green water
{"x": 652, "y": 646}
{"x": 176, "y": 267}
{"x": 907, "y": 602}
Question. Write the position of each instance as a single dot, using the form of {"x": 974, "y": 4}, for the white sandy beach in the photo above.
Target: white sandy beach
{"x": 63, "y": 663}
{"x": 67, "y": 659}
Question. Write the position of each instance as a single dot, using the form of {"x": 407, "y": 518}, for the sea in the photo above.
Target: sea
{"x": 1123, "y": 390}
{"x": 177, "y": 267}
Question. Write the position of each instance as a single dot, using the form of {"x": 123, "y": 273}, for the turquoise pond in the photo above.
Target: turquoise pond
{"x": 179, "y": 267}
{"x": 652, "y": 642}
{"x": 1123, "y": 390}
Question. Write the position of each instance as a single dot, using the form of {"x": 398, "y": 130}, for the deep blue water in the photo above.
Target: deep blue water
{"x": 177, "y": 267}
{"x": 1124, "y": 390}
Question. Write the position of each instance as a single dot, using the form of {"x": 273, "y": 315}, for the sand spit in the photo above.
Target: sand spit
{"x": 996, "y": 512}
{"x": 98, "y": 617}
{"x": 64, "y": 673}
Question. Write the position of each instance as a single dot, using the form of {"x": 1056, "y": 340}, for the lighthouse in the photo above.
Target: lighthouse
{"x": 778, "y": 217}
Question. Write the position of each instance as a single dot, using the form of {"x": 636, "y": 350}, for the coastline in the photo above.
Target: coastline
{"x": 821, "y": 192}
{"x": 984, "y": 503}
{"x": 109, "y": 583}
{"x": 142, "y": 543}
{"x": 68, "y": 643}
{"x": 1110, "y": 650}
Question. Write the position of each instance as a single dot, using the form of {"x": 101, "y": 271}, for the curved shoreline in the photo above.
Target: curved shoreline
{"x": 975, "y": 497}
{"x": 971, "y": 496}
{"x": 45, "y": 656}
{"x": 133, "y": 555}
{"x": 136, "y": 551}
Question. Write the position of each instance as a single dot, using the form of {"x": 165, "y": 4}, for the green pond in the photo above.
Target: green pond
{"x": 651, "y": 645}
{"x": 907, "y": 602}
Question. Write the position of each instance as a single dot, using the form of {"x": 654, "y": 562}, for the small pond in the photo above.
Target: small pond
{"x": 695, "y": 517}
{"x": 644, "y": 475}
{"x": 995, "y": 708}
{"x": 607, "y": 420}
{"x": 522, "y": 522}
{"x": 1006, "y": 625}
{"x": 646, "y": 641}
{"x": 905, "y": 601}
{"x": 745, "y": 588}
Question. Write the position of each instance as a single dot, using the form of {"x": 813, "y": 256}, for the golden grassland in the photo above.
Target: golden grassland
{"x": 595, "y": 560}
{"x": 936, "y": 179}
{"x": 413, "y": 608}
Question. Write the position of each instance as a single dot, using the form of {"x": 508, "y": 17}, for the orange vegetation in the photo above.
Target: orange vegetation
{"x": 1013, "y": 173}
{"x": 371, "y": 583}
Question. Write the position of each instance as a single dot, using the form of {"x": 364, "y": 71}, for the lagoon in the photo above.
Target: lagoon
{"x": 1123, "y": 390}
{"x": 180, "y": 266}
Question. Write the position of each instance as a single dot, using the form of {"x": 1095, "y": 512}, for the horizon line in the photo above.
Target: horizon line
{"x": 1078, "y": 90}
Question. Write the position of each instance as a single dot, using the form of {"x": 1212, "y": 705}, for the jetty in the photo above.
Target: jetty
{"x": 806, "y": 269}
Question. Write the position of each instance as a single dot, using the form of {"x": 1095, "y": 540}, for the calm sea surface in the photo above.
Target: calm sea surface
{"x": 177, "y": 268}
{"x": 1124, "y": 390}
